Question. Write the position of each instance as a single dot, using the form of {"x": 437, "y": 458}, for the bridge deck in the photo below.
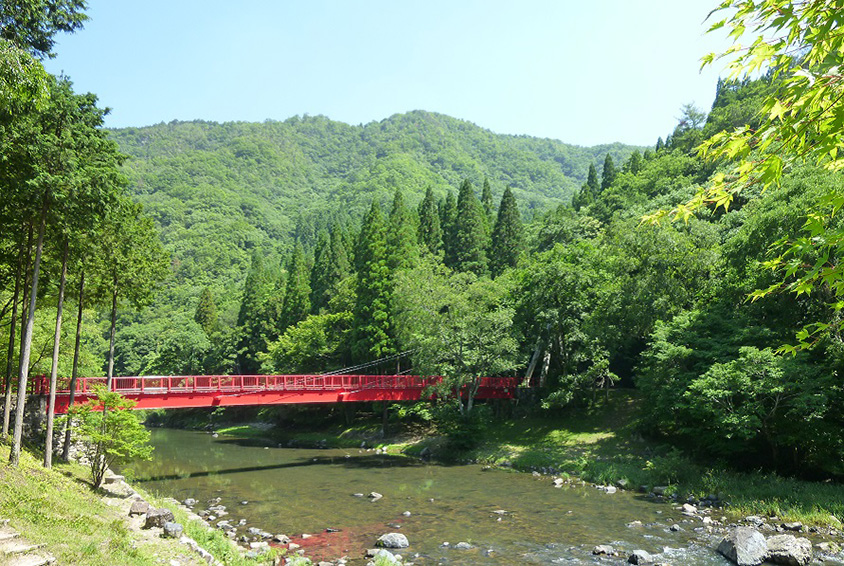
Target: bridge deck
{"x": 189, "y": 391}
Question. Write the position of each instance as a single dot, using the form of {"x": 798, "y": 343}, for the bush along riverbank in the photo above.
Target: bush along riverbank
{"x": 601, "y": 446}
{"x": 58, "y": 514}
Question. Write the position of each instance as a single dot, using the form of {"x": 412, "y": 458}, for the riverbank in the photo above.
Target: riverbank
{"x": 76, "y": 524}
{"x": 602, "y": 446}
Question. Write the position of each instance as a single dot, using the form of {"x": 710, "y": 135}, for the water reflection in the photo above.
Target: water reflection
{"x": 506, "y": 517}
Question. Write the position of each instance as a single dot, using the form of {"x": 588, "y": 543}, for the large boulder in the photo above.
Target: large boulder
{"x": 744, "y": 546}
{"x": 157, "y": 518}
{"x": 790, "y": 550}
{"x": 392, "y": 540}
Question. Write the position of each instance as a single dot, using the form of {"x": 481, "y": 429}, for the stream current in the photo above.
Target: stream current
{"x": 306, "y": 491}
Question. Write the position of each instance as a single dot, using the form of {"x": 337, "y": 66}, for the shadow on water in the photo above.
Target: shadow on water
{"x": 358, "y": 462}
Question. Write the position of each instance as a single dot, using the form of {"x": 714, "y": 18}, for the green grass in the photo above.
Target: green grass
{"x": 56, "y": 507}
{"x": 59, "y": 508}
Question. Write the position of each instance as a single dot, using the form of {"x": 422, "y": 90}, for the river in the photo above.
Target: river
{"x": 306, "y": 491}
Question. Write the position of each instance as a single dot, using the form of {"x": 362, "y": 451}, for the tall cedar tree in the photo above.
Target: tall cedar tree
{"x": 486, "y": 201}
{"x": 589, "y": 191}
{"x": 250, "y": 318}
{"x": 430, "y": 234}
{"x": 372, "y": 327}
{"x": 448, "y": 216}
{"x": 402, "y": 249}
{"x": 609, "y": 173}
{"x": 321, "y": 273}
{"x": 206, "y": 312}
{"x": 634, "y": 164}
{"x": 331, "y": 266}
{"x": 470, "y": 236}
{"x": 297, "y": 295}
{"x": 507, "y": 235}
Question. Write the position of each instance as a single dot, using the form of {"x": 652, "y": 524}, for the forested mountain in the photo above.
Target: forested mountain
{"x": 219, "y": 191}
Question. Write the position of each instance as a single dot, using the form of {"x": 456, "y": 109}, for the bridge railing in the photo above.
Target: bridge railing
{"x": 136, "y": 385}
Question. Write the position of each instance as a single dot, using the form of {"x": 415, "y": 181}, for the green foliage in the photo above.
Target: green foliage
{"x": 430, "y": 230}
{"x": 31, "y": 24}
{"x": 206, "y": 312}
{"x": 372, "y": 335}
{"x": 402, "y": 242}
{"x": 469, "y": 242}
{"x": 317, "y": 344}
{"x": 460, "y": 326}
{"x": 111, "y": 433}
{"x": 507, "y": 235}
{"x": 252, "y": 315}
{"x": 297, "y": 292}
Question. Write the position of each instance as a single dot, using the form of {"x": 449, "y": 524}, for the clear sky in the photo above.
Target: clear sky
{"x": 584, "y": 72}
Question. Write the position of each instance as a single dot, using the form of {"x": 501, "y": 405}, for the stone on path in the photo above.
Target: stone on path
{"x": 139, "y": 508}
{"x": 744, "y": 546}
{"x": 173, "y": 530}
{"x": 789, "y": 550}
{"x": 157, "y": 518}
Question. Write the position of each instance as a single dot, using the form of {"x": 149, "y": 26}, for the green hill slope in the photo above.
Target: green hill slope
{"x": 218, "y": 191}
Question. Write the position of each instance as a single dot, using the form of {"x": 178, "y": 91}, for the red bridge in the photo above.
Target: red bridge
{"x": 188, "y": 391}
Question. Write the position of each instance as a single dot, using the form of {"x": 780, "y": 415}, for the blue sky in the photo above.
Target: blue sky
{"x": 584, "y": 72}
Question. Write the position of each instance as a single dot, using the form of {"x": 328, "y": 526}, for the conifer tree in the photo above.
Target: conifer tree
{"x": 372, "y": 328}
{"x": 402, "y": 249}
{"x": 470, "y": 236}
{"x": 506, "y": 236}
{"x": 634, "y": 164}
{"x": 430, "y": 233}
{"x": 588, "y": 191}
{"x": 486, "y": 201}
{"x": 250, "y": 317}
{"x": 448, "y": 218}
{"x": 659, "y": 144}
{"x": 206, "y": 312}
{"x": 592, "y": 185}
{"x": 609, "y": 173}
{"x": 297, "y": 294}
{"x": 321, "y": 273}
{"x": 331, "y": 265}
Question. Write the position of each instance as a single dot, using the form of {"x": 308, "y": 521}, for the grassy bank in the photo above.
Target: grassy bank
{"x": 58, "y": 508}
{"x": 601, "y": 446}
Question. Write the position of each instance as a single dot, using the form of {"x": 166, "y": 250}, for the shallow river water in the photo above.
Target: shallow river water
{"x": 295, "y": 491}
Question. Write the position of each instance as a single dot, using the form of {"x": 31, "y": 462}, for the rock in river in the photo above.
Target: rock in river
{"x": 603, "y": 549}
{"x": 640, "y": 557}
{"x": 790, "y": 550}
{"x": 392, "y": 540}
{"x": 744, "y": 546}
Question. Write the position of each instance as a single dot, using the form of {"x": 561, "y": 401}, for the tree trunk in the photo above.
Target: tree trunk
{"x": 68, "y": 424}
{"x": 110, "y": 375}
{"x": 10, "y": 354}
{"x": 26, "y": 339}
{"x": 54, "y": 371}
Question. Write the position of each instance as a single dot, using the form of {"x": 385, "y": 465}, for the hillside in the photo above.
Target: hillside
{"x": 217, "y": 191}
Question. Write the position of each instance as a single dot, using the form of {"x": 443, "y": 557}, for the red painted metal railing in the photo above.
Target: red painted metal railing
{"x": 215, "y": 390}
